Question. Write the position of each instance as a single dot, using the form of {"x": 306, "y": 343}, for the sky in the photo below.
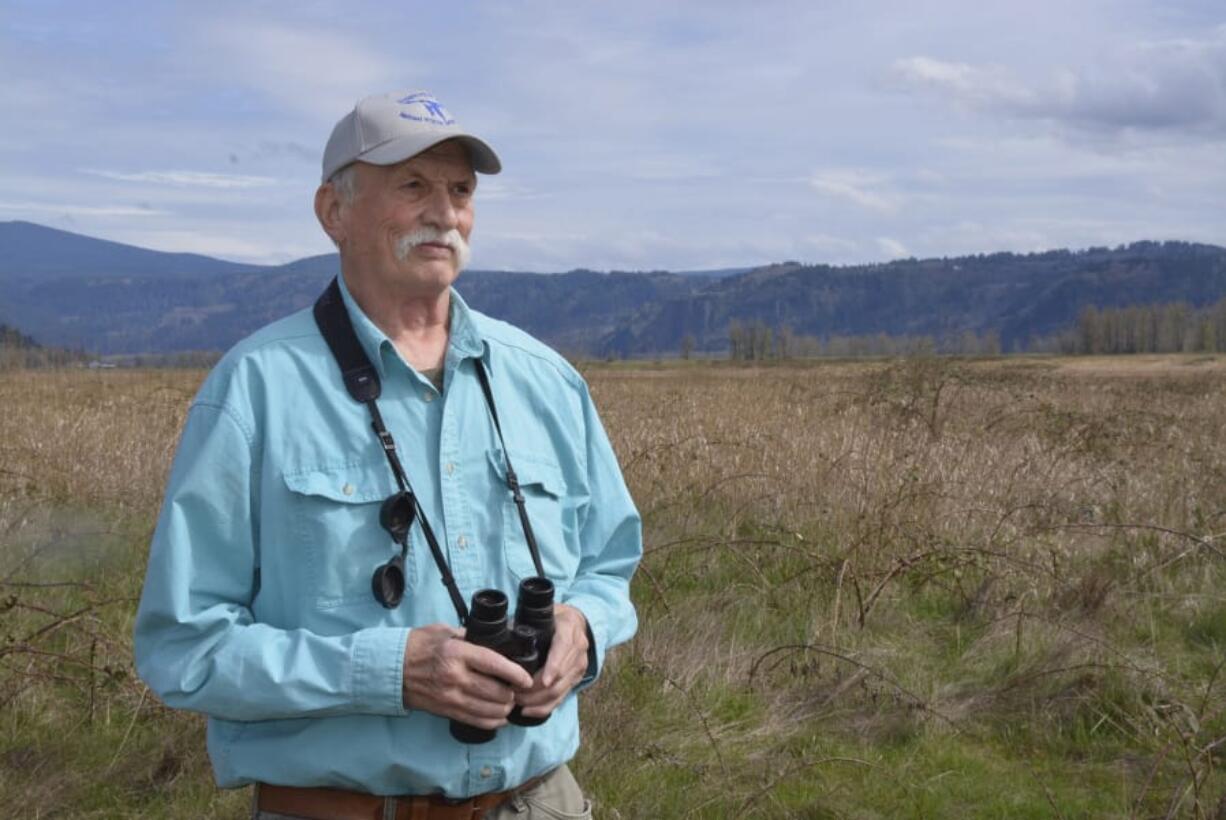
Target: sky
{"x": 636, "y": 135}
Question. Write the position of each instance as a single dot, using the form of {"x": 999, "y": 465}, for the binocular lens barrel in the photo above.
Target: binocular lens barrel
{"x": 534, "y": 609}
{"x": 535, "y": 593}
{"x": 487, "y": 626}
{"x": 488, "y": 613}
{"x": 526, "y": 643}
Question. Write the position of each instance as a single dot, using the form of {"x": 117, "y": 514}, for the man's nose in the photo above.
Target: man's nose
{"x": 440, "y": 211}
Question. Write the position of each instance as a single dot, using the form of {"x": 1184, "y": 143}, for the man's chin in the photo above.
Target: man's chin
{"x": 436, "y": 274}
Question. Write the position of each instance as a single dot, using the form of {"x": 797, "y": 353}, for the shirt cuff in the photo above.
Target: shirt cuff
{"x": 378, "y": 670}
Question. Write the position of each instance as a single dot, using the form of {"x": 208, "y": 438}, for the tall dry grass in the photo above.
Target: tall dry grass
{"x": 83, "y": 458}
{"x": 917, "y": 588}
{"x": 999, "y": 553}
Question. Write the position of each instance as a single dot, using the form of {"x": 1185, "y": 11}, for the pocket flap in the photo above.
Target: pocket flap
{"x": 531, "y": 470}
{"x": 354, "y": 483}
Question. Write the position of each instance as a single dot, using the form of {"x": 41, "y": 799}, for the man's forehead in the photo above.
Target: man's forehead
{"x": 449, "y": 154}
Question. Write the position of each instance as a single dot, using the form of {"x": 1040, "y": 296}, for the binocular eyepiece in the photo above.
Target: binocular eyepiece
{"x": 525, "y": 641}
{"x": 396, "y": 516}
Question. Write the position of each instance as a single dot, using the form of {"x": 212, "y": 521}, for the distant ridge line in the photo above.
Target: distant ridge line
{"x": 74, "y": 291}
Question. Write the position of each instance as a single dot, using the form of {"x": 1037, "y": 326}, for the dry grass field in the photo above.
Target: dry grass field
{"x": 921, "y": 588}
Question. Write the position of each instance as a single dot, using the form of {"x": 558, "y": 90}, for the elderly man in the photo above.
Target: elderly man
{"x": 347, "y": 479}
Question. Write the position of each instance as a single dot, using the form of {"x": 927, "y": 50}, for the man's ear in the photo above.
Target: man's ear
{"x": 328, "y": 208}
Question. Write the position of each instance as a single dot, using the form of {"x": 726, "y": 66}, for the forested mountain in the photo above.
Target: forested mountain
{"x": 73, "y": 291}
{"x": 31, "y": 252}
{"x": 1017, "y": 296}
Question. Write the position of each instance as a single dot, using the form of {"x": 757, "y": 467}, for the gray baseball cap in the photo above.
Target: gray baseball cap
{"x": 388, "y": 128}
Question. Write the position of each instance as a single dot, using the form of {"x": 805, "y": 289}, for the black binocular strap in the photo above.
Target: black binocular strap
{"x": 512, "y": 479}
{"x": 362, "y": 382}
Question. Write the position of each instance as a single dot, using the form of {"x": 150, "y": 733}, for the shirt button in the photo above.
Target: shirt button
{"x": 461, "y": 542}
{"x": 347, "y": 489}
{"x": 427, "y": 396}
{"x": 486, "y": 772}
{"x": 450, "y": 467}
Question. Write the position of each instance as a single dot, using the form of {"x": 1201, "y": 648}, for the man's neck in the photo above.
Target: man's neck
{"x": 418, "y": 324}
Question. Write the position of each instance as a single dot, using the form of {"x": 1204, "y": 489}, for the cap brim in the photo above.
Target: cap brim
{"x": 483, "y": 158}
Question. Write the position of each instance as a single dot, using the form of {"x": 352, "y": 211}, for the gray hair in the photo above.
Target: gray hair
{"x": 345, "y": 181}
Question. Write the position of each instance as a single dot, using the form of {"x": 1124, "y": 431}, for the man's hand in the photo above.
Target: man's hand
{"x": 565, "y": 666}
{"x": 446, "y": 675}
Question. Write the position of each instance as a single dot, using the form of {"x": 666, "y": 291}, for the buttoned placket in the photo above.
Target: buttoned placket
{"x": 467, "y": 562}
{"x": 460, "y": 401}
{"x": 462, "y": 397}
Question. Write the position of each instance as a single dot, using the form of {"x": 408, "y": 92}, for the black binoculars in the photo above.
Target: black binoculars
{"x": 396, "y": 516}
{"x": 524, "y": 641}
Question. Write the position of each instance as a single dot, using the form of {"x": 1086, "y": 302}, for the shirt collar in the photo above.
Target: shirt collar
{"x": 463, "y": 340}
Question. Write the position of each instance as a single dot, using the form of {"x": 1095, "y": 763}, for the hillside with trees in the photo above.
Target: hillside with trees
{"x": 76, "y": 292}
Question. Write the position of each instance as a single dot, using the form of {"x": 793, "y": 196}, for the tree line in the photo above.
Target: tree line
{"x": 1175, "y": 327}
{"x": 757, "y": 341}
{"x": 20, "y": 352}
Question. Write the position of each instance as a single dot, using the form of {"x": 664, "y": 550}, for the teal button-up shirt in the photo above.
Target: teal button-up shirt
{"x": 257, "y": 607}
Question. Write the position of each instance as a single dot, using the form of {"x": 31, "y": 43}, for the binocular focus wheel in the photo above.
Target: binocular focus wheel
{"x": 388, "y": 583}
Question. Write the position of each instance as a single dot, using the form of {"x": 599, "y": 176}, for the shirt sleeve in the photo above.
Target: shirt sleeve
{"x": 197, "y": 644}
{"x": 611, "y": 542}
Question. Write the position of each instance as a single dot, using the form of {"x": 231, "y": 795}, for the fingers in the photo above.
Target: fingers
{"x": 560, "y": 664}
{"x": 569, "y": 645}
{"x": 459, "y": 680}
{"x": 488, "y": 662}
{"x": 542, "y": 700}
{"x": 448, "y": 676}
{"x": 565, "y": 667}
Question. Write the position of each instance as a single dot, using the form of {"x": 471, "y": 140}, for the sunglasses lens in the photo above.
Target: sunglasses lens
{"x": 397, "y": 514}
{"x": 388, "y": 583}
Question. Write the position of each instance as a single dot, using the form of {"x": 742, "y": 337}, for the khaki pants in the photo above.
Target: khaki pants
{"x": 557, "y": 797}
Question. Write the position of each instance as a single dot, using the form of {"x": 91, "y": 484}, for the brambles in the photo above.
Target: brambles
{"x": 1020, "y": 558}
{"x": 870, "y": 589}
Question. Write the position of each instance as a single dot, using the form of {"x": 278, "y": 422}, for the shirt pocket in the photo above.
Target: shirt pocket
{"x": 335, "y": 515}
{"x": 551, "y": 512}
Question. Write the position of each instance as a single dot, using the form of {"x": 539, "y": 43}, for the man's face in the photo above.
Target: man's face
{"x": 396, "y": 228}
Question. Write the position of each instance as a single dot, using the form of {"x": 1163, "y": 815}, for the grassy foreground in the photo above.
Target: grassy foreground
{"x": 925, "y": 588}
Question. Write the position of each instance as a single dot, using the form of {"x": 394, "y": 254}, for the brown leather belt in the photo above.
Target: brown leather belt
{"x": 337, "y": 804}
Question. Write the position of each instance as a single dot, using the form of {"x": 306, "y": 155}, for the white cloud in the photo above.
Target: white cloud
{"x": 892, "y": 248}
{"x": 493, "y": 189}
{"x": 1173, "y": 85}
{"x": 976, "y": 85}
{"x": 824, "y": 243}
{"x": 861, "y": 188}
{"x": 79, "y": 210}
{"x": 317, "y": 72}
{"x": 222, "y": 244}
{"x": 666, "y": 168}
{"x": 197, "y": 179}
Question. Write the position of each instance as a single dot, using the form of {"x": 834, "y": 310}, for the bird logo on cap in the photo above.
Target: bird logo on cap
{"x": 434, "y": 111}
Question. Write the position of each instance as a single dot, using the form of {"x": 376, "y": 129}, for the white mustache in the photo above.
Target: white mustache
{"x": 451, "y": 238}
